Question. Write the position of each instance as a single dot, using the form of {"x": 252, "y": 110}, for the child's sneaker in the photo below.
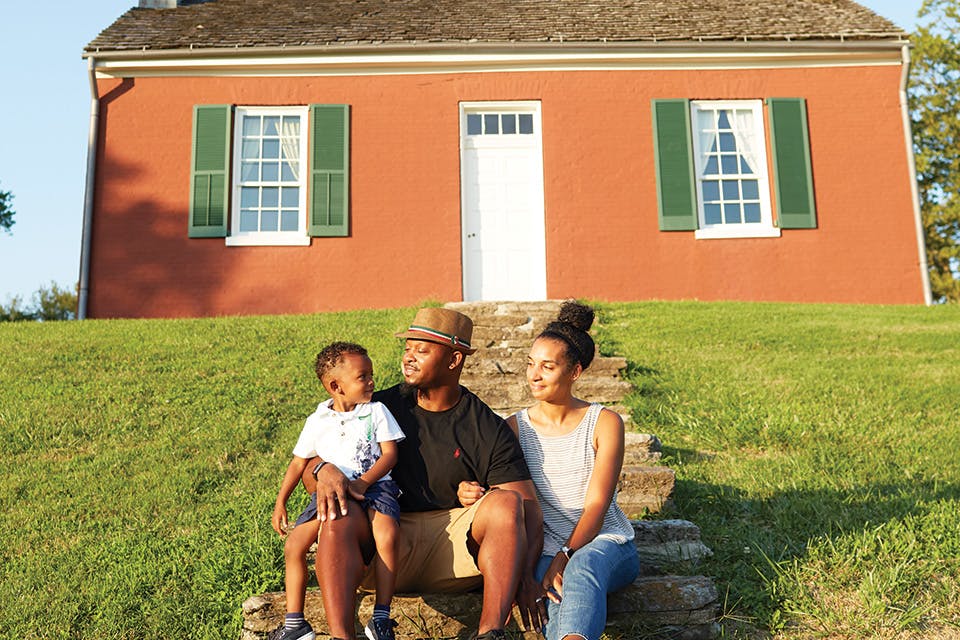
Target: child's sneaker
{"x": 380, "y": 629}
{"x": 300, "y": 632}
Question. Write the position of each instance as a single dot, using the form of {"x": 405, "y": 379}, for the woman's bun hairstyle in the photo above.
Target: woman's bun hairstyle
{"x": 572, "y": 327}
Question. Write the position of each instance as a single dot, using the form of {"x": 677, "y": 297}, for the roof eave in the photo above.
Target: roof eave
{"x": 852, "y": 42}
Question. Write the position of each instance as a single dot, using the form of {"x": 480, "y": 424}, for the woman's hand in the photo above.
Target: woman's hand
{"x": 469, "y": 492}
{"x": 532, "y": 604}
{"x": 279, "y": 519}
{"x": 552, "y": 581}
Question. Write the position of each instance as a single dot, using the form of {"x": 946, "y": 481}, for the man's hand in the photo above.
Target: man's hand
{"x": 468, "y": 492}
{"x": 531, "y": 602}
{"x": 333, "y": 493}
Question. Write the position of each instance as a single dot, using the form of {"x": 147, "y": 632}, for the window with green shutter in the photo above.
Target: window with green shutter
{"x": 790, "y": 144}
{"x": 269, "y": 205}
{"x": 209, "y": 171}
{"x": 330, "y": 170}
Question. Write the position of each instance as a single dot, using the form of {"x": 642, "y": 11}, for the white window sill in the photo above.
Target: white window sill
{"x": 737, "y": 231}
{"x": 269, "y": 240}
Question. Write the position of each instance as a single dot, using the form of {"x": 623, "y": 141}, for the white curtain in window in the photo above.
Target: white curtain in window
{"x": 744, "y": 129}
{"x": 290, "y": 139}
{"x": 706, "y": 129}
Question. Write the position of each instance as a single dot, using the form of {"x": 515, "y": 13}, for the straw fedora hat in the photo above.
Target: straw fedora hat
{"x": 443, "y": 326}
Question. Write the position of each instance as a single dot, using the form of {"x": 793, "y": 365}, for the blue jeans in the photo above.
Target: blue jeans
{"x": 594, "y": 571}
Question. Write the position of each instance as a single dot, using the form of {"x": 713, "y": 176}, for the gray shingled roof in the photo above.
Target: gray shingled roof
{"x": 312, "y": 23}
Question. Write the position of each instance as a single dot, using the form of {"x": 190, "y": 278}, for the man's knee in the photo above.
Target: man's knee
{"x": 500, "y": 511}
{"x": 503, "y": 503}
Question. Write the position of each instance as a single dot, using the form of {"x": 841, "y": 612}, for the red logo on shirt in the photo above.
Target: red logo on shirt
{"x": 456, "y": 452}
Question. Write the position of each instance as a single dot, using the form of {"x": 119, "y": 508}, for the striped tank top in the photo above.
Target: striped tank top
{"x": 561, "y": 467}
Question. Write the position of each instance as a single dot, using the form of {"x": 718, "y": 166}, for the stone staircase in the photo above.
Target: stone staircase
{"x": 665, "y": 601}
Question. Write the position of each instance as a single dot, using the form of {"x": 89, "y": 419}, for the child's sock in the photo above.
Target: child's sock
{"x": 293, "y": 620}
{"x": 381, "y": 612}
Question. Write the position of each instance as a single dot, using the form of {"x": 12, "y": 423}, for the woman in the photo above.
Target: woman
{"x": 574, "y": 450}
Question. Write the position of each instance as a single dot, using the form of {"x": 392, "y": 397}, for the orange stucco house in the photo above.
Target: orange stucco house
{"x": 296, "y": 156}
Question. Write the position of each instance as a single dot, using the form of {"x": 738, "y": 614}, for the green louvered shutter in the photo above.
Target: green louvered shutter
{"x": 673, "y": 149}
{"x": 210, "y": 171}
{"x": 330, "y": 169}
{"x": 793, "y": 177}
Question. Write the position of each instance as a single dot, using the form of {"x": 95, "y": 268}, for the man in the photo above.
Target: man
{"x": 451, "y": 436}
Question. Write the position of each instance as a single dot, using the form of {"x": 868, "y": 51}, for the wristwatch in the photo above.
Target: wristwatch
{"x": 317, "y": 468}
{"x": 567, "y": 551}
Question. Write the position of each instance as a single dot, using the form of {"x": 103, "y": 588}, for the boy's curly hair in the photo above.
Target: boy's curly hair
{"x": 332, "y": 355}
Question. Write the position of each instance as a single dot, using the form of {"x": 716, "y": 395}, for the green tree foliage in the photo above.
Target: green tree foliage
{"x": 935, "y": 106}
{"x": 6, "y": 210}
{"x": 49, "y": 303}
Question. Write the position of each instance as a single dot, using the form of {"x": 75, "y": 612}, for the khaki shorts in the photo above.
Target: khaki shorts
{"x": 432, "y": 554}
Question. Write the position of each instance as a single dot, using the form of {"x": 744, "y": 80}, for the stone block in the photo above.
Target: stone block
{"x": 653, "y": 603}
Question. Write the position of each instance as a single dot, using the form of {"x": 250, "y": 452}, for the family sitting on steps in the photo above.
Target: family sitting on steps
{"x": 423, "y": 488}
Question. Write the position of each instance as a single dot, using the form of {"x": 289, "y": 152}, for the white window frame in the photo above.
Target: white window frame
{"x": 299, "y": 237}
{"x": 763, "y": 229}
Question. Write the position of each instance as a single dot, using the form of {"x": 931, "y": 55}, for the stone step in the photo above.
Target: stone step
{"x": 664, "y": 606}
{"x": 645, "y": 489}
{"x": 658, "y": 603}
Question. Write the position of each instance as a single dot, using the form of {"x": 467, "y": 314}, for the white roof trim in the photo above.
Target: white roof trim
{"x": 400, "y": 60}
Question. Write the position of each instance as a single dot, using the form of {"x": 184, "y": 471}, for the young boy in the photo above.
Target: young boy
{"x": 360, "y": 437}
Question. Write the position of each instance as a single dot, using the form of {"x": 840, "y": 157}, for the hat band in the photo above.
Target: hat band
{"x": 444, "y": 337}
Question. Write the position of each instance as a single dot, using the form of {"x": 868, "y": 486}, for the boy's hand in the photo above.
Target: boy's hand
{"x": 279, "y": 519}
{"x": 468, "y": 492}
{"x": 358, "y": 488}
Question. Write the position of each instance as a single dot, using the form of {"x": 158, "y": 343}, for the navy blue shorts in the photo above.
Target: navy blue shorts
{"x": 380, "y": 496}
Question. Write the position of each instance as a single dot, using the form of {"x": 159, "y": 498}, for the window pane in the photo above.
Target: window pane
{"x": 729, "y": 164}
{"x": 289, "y": 197}
{"x": 251, "y": 126}
{"x": 271, "y": 171}
{"x": 723, "y": 121}
{"x": 711, "y": 190}
{"x": 271, "y": 125}
{"x": 731, "y": 190}
{"x": 526, "y": 123}
{"x": 711, "y": 214}
{"x": 474, "y": 124}
{"x": 289, "y": 220}
{"x": 248, "y": 220}
{"x": 270, "y": 197}
{"x": 249, "y": 197}
{"x": 728, "y": 142}
{"x": 269, "y": 219}
{"x": 251, "y": 149}
{"x": 711, "y": 169}
{"x": 249, "y": 171}
{"x": 271, "y": 149}
{"x": 745, "y": 166}
{"x": 291, "y": 126}
{"x": 288, "y": 171}
{"x": 731, "y": 213}
{"x": 751, "y": 190}
{"x": 509, "y": 122}
{"x": 491, "y": 123}
{"x": 751, "y": 212}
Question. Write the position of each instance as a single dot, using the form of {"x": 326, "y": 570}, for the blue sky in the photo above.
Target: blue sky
{"x": 46, "y": 114}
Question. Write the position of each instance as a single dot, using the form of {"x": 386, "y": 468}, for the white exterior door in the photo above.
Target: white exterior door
{"x": 501, "y": 193}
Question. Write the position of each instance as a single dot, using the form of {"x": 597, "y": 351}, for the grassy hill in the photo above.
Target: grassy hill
{"x": 816, "y": 446}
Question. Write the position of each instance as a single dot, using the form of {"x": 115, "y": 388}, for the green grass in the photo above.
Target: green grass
{"x": 816, "y": 446}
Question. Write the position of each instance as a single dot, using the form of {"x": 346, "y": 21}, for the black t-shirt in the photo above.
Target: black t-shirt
{"x": 442, "y": 448}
